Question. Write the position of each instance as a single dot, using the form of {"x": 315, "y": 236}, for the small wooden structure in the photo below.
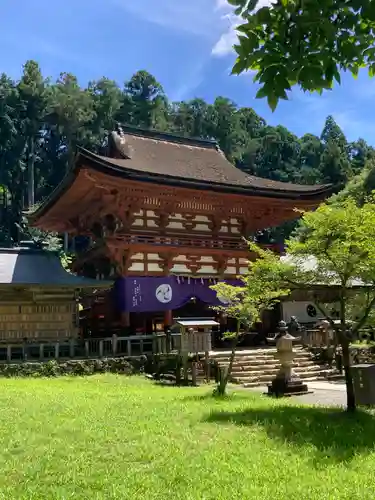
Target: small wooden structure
{"x": 196, "y": 335}
{"x": 38, "y": 297}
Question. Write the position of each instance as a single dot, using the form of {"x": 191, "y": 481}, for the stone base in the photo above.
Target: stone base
{"x": 281, "y": 387}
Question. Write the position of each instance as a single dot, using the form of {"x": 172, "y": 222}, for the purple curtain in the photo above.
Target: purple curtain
{"x": 148, "y": 294}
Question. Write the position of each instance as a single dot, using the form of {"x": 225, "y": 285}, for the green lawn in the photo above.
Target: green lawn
{"x": 109, "y": 437}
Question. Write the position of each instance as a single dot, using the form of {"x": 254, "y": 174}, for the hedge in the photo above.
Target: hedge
{"x": 53, "y": 368}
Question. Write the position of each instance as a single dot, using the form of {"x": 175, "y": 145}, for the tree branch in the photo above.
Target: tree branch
{"x": 363, "y": 320}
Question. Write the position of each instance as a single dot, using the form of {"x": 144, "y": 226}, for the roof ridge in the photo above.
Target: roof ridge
{"x": 170, "y": 137}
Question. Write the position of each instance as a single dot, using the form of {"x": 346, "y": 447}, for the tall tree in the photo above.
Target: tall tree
{"x": 144, "y": 104}
{"x": 33, "y": 95}
{"x": 194, "y": 118}
{"x": 311, "y": 152}
{"x": 106, "y": 103}
{"x": 71, "y": 110}
{"x": 338, "y": 240}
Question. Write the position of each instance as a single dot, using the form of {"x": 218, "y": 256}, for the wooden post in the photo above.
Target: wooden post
{"x": 168, "y": 318}
{"x": 129, "y": 347}
{"x": 178, "y": 369}
{"x": 9, "y": 353}
{"x": 207, "y": 368}
{"x": 87, "y": 348}
{"x": 41, "y": 351}
{"x": 125, "y": 321}
{"x": 159, "y": 346}
{"x": 223, "y": 372}
{"x": 24, "y": 351}
{"x": 57, "y": 350}
{"x": 101, "y": 348}
{"x": 194, "y": 373}
{"x": 164, "y": 344}
{"x": 71, "y": 348}
{"x": 141, "y": 345}
{"x": 114, "y": 344}
{"x": 185, "y": 359}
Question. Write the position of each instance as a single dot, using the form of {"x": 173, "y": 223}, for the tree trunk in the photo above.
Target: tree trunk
{"x": 350, "y": 396}
{"x": 31, "y": 174}
{"x": 225, "y": 376}
{"x": 345, "y": 342}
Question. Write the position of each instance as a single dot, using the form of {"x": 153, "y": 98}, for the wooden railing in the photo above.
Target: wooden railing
{"x": 222, "y": 243}
{"x": 133, "y": 345}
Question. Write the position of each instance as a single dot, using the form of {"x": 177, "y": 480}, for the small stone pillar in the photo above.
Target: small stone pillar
{"x": 286, "y": 381}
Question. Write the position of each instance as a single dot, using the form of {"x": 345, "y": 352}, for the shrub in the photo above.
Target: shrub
{"x": 54, "y": 368}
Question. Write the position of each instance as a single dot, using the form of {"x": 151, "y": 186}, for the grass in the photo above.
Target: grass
{"x": 113, "y": 437}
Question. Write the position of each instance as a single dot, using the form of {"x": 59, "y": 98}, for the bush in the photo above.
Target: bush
{"x": 126, "y": 366}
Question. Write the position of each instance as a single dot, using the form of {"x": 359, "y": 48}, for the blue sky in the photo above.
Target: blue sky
{"x": 186, "y": 44}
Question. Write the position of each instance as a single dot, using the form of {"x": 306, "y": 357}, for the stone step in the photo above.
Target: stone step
{"x": 270, "y": 375}
{"x": 274, "y": 370}
{"x": 249, "y": 364}
{"x": 262, "y": 361}
{"x": 257, "y": 384}
{"x": 266, "y": 378}
{"x": 259, "y": 366}
{"x": 256, "y": 350}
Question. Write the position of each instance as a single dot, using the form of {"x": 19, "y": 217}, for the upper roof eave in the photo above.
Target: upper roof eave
{"x": 108, "y": 167}
{"x": 105, "y": 166}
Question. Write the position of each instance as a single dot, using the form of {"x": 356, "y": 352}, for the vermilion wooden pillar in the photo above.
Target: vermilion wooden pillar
{"x": 125, "y": 319}
{"x": 168, "y": 318}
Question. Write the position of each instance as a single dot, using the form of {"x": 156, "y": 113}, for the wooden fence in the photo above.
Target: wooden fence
{"x": 134, "y": 345}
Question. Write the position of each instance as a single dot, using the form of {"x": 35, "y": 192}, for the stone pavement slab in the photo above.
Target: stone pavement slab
{"x": 323, "y": 394}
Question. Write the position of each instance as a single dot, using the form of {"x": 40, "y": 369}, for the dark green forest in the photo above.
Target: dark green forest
{"x": 42, "y": 122}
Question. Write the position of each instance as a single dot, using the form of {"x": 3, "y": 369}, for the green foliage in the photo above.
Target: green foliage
{"x": 262, "y": 288}
{"x": 304, "y": 42}
{"x": 83, "y": 367}
{"x": 337, "y": 249}
{"x": 359, "y": 188}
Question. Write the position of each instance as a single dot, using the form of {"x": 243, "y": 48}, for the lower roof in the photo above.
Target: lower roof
{"x": 31, "y": 267}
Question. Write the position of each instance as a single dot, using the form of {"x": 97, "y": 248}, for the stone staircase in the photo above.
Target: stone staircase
{"x": 258, "y": 366}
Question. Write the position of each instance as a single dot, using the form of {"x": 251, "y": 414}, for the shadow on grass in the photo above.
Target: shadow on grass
{"x": 333, "y": 435}
{"x": 209, "y": 396}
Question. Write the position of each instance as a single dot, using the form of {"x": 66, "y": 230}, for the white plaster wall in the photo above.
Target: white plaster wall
{"x": 137, "y": 266}
{"x": 207, "y": 270}
{"x": 180, "y": 268}
{"x": 154, "y": 267}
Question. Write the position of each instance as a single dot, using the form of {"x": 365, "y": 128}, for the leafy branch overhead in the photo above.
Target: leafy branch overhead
{"x": 304, "y": 42}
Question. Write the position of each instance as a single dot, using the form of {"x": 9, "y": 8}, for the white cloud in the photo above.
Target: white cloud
{"x": 197, "y": 17}
{"x": 225, "y": 43}
{"x": 220, "y": 4}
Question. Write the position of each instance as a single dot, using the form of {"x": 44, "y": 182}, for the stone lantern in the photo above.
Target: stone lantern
{"x": 286, "y": 381}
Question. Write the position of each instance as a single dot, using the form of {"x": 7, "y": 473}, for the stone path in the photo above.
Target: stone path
{"x": 324, "y": 394}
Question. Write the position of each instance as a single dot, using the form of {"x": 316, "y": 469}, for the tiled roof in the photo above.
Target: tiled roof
{"x": 169, "y": 156}
{"x": 23, "y": 266}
